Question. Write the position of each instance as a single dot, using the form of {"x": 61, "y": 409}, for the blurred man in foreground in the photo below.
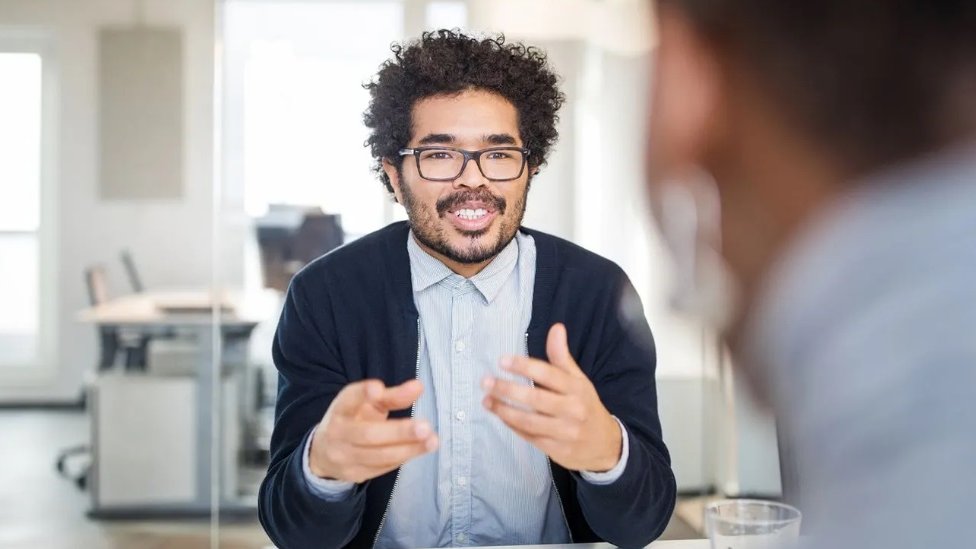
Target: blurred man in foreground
{"x": 817, "y": 160}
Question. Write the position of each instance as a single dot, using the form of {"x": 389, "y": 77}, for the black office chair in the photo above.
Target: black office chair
{"x": 130, "y": 270}
{"x": 111, "y": 342}
{"x": 112, "y": 339}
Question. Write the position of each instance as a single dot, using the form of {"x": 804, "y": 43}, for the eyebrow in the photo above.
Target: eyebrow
{"x": 448, "y": 139}
{"x": 438, "y": 139}
{"x": 499, "y": 139}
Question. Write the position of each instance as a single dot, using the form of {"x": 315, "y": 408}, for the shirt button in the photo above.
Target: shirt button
{"x": 461, "y": 537}
{"x": 460, "y": 415}
{"x": 459, "y": 346}
{"x": 462, "y": 481}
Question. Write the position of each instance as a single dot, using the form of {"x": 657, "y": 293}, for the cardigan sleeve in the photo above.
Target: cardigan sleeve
{"x": 310, "y": 375}
{"x": 635, "y": 509}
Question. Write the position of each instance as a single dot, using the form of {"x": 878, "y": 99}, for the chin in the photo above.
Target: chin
{"x": 473, "y": 249}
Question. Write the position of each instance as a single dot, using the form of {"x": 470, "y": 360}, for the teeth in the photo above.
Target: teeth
{"x": 471, "y": 214}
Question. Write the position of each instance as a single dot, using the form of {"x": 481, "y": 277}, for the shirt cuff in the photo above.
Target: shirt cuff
{"x": 327, "y": 489}
{"x": 609, "y": 477}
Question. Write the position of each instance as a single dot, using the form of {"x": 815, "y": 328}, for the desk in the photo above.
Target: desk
{"x": 174, "y": 308}
{"x": 189, "y": 312}
{"x": 673, "y": 544}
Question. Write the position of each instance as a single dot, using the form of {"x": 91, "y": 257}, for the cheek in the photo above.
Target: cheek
{"x": 679, "y": 111}
{"x": 513, "y": 198}
{"x": 668, "y": 132}
{"x": 423, "y": 197}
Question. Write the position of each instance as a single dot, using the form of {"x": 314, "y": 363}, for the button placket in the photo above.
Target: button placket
{"x": 462, "y": 320}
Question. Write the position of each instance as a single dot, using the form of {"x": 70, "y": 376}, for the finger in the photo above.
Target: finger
{"x": 391, "y": 456}
{"x": 531, "y": 423}
{"x": 383, "y": 433}
{"x": 544, "y": 443}
{"x": 549, "y": 446}
{"x": 398, "y": 397}
{"x": 557, "y": 349}
{"x": 540, "y": 372}
{"x": 540, "y": 400}
{"x": 354, "y": 395}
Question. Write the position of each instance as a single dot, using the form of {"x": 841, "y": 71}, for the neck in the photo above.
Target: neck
{"x": 467, "y": 270}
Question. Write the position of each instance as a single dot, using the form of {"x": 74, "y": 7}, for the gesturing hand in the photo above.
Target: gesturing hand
{"x": 562, "y": 414}
{"x": 355, "y": 441}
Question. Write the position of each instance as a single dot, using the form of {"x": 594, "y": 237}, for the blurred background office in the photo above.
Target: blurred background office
{"x": 167, "y": 165}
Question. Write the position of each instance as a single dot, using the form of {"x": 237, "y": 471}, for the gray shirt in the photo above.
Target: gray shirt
{"x": 867, "y": 334}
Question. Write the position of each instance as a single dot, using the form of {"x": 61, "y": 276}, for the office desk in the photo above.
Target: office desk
{"x": 673, "y": 544}
{"x": 173, "y": 308}
{"x": 187, "y": 312}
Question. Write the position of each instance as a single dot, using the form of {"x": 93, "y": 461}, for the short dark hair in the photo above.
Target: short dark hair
{"x": 873, "y": 81}
{"x": 449, "y": 62}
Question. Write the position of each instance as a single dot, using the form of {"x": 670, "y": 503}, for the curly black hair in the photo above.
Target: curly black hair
{"x": 449, "y": 62}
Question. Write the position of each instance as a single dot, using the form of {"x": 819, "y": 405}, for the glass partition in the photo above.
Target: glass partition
{"x": 167, "y": 168}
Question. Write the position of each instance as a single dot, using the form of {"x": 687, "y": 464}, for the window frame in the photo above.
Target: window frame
{"x": 43, "y": 370}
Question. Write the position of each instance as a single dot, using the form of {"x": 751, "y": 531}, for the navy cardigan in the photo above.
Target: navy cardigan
{"x": 350, "y": 315}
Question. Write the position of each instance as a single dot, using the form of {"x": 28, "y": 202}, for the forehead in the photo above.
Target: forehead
{"x": 467, "y": 116}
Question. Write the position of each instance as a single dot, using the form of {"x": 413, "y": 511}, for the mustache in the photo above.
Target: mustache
{"x": 484, "y": 195}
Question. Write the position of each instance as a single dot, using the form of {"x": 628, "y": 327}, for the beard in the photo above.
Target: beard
{"x": 427, "y": 229}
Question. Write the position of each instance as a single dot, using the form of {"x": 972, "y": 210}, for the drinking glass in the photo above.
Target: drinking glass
{"x": 751, "y": 524}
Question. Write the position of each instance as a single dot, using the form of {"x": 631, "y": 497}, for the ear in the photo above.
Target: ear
{"x": 394, "y": 174}
{"x": 686, "y": 99}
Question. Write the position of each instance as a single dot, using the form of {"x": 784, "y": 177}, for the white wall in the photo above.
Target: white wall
{"x": 170, "y": 240}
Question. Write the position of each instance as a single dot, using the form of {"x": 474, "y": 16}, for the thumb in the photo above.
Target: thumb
{"x": 557, "y": 348}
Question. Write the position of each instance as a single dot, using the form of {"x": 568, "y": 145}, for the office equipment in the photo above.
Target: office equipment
{"x": 189, "y": 489}
{"x": 289, "y": 237}
{"x": 146, "y": 443}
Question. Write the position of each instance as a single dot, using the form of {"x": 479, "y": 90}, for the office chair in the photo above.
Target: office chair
{"x": 112, "y": 339}
{"x": 130, "y": 270}
{"x": 111, "y": 342}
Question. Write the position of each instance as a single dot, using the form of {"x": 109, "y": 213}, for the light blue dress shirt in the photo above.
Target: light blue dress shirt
{"x": 484, "y": 485}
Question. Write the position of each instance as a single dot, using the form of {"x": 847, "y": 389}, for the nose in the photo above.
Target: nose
{"x": 470, "y": 177}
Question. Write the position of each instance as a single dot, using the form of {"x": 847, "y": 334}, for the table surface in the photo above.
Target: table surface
{"x": 179, "y": 307}
{"x": 674, "y": 544}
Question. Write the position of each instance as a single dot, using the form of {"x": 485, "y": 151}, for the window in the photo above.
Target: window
{"x": 20, "y": 207}
{"x": 294, "y": 102}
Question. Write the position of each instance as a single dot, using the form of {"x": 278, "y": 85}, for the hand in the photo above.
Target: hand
{"x": 356, "y": 442}
{"x": 562, "y": 415}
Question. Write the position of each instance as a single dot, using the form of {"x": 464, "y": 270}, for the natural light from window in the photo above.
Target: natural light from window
{"x": 20, "y": 192}
{"x": 300, "y": 67}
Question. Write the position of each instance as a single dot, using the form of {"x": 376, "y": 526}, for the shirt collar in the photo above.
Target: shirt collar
{"x": 426, "y": 270}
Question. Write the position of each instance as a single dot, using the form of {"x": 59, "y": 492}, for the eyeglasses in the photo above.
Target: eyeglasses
{"x": 448, "y": 163}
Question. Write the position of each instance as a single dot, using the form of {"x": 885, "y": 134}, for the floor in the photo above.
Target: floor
{"x": 41, "y": 509}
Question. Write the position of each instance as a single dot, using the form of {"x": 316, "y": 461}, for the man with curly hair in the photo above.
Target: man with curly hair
{"x": 458, "y": 379}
